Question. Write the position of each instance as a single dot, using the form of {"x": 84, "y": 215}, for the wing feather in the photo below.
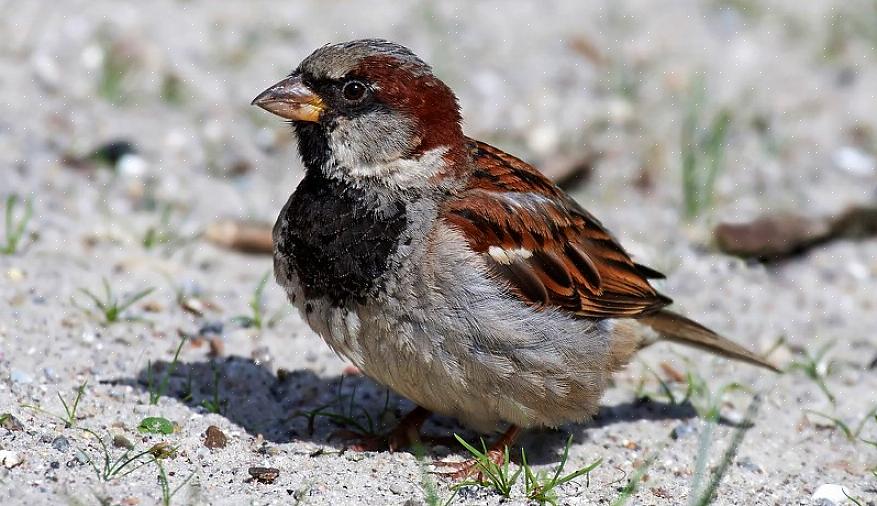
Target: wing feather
{"x": 551, "y": 252}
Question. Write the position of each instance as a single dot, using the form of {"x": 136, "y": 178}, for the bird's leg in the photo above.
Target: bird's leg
{"x": 470, "y": 467}
{"x": 403, "y": 435}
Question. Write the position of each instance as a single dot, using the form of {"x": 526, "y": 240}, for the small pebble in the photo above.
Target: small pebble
{"x": 854, "y": 161}
{"x": 61, "y": 444}
{"x": 747, "y": 464}
{"x": 397, "y": 489}
{"x": 215, "y": 438}
{"x": 211, "y": 328}
{"x": 830, "y": 494}
{"x": 10, "y": 423}
{"x": 18, "y": 376}
{"x": 355, "y": 456}
{"x": 264, "y": 474}
{"x": 10, "y": 459}
{"x": 683, "y": 430}
{"x": 50, "y": 374}
{"x": 630, "y": 445}
{"x": 15, "y": 274}
{"x": 120, "y": 441}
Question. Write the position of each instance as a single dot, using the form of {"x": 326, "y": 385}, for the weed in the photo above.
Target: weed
{"x": 851, "y": 433}
{"x": 117, "y": 66}
{"x": 540, "y": 487}
{"x": 15, "y": 228}
{"x": 703, "y": 152}
{"x": 634, "y": 481}
{"x": 110, "y": 308}
{"x": 706, "y": 497}
{"x": 347, "y": 413}
{"x": 705, "y": 402}
{"x": 157, "y": 391}
{"x": 214, "y": 405}
{"x": 167, "y": 494}
{"x": 427, "y": 483}
{"x": 156, "y": 425}
{"x": 697, "y": 393}
{"x": 495, "y": 476}
{"x": 173, "y": 89}
{"x": 851, "y": 498}
{"x": 666, "y": 391}
{"x": 256, "y": 318}
{"x": 69, "y": 416}
{"x": 163, "y": 232}
{"x": 817, "y": 368}
{"x": 122, "y": 466}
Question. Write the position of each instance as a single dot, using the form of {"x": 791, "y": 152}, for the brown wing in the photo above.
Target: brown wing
{"x": 552, "y": 252}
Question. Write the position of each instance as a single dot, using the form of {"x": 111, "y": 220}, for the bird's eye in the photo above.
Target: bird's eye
{"x": 353, "y": 91}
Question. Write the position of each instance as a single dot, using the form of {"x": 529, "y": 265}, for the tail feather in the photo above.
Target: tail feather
{"x": 677, "y": 328}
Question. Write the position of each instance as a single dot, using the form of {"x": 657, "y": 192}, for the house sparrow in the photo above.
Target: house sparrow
{"x": 444, "y": 268}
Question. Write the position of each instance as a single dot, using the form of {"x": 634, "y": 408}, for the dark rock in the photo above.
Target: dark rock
{"x": 61, "y": 444}
{"x": 265, "y": 475}
{"x": 9, "y": 422}
{"x": 683, "y": 430}
{"x": 211, "y": 328}
{"x": 215, "y": 438}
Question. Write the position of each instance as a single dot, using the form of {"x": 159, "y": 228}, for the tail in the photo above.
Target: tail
{"x": 679, "y": 329}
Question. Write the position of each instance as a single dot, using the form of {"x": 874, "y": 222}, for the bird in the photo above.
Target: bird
{"x": 446, "y": 269}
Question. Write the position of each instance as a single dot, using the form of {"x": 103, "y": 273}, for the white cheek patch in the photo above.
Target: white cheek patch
{"x": 508, "y": 256}
{"x": 401, "y": 172}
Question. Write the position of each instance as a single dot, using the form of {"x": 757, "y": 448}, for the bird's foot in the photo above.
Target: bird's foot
{"x": 475, "y": 467}
{"x": 405, "y": 434}
{"x": 470, "y": 468}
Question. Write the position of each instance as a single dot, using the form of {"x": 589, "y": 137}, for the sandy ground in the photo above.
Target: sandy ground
{"x": 542, "y": 80}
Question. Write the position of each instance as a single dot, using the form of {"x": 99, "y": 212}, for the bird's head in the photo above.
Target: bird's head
{"x": 370, "y": 110}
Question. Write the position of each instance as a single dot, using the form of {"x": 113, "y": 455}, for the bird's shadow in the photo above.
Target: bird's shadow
{"x": 300, "y": 405}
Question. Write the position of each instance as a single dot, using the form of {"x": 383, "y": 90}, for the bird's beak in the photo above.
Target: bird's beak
{"x": 291, "y": 99}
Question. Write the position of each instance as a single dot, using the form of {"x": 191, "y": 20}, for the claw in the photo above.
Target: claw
{"x": 460, "y": 470}
{"x": 469, "y": 468}
{"x": 402, "y": 436}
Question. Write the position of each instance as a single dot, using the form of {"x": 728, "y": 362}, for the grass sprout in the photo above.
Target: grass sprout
{"x": 216, "y": 404}
{"x": 15, "y": 228}
{"x": 666, "y": 390}
{"x": 110, "y": 308}
{"x": 850, "y": 432}
{"x": 107, "y": 468}
{"x": 705, "y": 497}
{"x": 344, "y": 412}
{"x": 703, "y": 151}
{"x": 817, "y": 368}
{"x": 157, "y": 390}
{"x": 541, "y": 486}
{"x": 427, "y": 483}
{"x": 69, "y": 417}
{"x": 164, "y": 232}
{"x": 706, "y": 402}
{"x": 167, "y": 494}
{"x": 696, "y": 392}
{"x": 635, "y": 479}
{"x": 494, "y": 476}
{"x": 117, "y": 66}
{"x": 257, "y": 318}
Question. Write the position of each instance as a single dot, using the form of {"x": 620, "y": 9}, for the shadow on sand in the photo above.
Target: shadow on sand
{"x": 300, "y": 405}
